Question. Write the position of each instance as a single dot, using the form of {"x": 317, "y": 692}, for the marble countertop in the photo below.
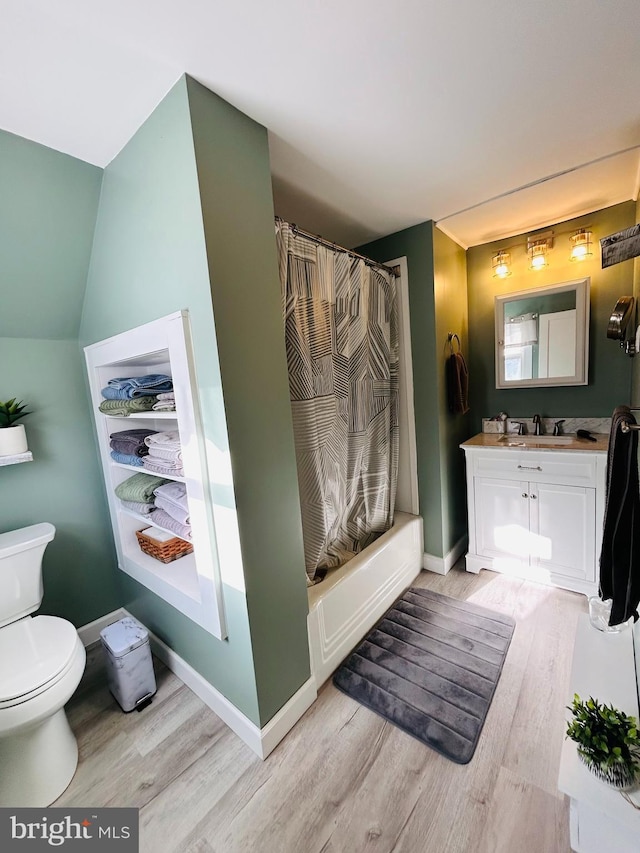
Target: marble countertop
{"x": 528, "y": 442}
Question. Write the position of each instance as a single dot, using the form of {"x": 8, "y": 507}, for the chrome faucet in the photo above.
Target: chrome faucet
{"x": 557, "y": 427}
{"x": 536, "y": 425}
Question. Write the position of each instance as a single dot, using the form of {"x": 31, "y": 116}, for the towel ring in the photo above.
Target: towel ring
{"x": 451, "y": 337}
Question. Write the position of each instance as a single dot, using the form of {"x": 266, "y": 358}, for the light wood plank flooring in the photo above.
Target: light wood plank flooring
{"x": 344, "y": 779}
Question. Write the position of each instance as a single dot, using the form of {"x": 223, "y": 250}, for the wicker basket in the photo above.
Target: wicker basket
{"x": 167, "y": 551}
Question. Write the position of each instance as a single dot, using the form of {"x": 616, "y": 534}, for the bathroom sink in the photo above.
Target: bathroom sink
{"x": 536, "y": 440}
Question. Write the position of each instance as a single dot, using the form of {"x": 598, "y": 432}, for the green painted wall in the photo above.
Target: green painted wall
{"x": 63, "y": 484}
{"x": 416, "y": 244}
{"x": 450, "y": 295}
{"x": 609, "y": 371}
{"x": 48, "y": 205}
{"x": 232, "y": 159}
{"x": 150, "y": 258}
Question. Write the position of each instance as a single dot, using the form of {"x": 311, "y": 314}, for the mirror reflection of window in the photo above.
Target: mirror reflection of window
{"x": 518, "y": 363}
{"x": 542, "y": 335}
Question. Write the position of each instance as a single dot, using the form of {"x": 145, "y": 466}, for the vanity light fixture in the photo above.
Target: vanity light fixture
{"x": 581, "y": 245}
{"x": 501, "y": 264}
{"x": 537, "y": 249}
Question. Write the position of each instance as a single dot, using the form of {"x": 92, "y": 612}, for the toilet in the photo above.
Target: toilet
{"x": 41, "y": 663}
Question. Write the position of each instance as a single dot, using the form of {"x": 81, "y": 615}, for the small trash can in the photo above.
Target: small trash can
{"x": 129, "y": 664}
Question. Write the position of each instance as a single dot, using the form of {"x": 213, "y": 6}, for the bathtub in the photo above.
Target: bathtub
{"x": 351, "y": 599}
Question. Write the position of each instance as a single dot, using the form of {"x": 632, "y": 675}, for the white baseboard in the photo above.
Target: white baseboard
{"x": 90, "y": 633}
{"x": 261, "y": 740}
{"x": 442, "y": 565}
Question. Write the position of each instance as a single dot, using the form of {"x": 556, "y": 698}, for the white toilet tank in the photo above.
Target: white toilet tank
{"x": 21, "y": 553}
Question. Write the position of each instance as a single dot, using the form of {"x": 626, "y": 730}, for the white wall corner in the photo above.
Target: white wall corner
{"x": 442, "y": 565}
{"x": 261, "y": 740}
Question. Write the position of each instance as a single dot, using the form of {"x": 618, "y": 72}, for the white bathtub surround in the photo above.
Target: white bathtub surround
{"x": 353, "y": 597}
{"x": 442, "y": 565}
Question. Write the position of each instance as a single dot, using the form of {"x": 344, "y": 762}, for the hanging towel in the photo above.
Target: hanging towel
{"x": 457, "y": 384}
{"x": 620, "y": 555}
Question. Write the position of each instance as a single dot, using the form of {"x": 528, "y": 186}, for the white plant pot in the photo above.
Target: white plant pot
{"x": 13, "y": 440}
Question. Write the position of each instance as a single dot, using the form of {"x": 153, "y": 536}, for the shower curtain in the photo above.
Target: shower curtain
{"x": 342, "y": 350}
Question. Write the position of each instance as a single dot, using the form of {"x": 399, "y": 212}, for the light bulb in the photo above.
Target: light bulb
{"x": 581, "y": 249}
{"x": 501, "y": 264}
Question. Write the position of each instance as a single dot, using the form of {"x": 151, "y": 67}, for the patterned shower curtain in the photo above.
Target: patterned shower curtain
{"x": 342, "y": 349}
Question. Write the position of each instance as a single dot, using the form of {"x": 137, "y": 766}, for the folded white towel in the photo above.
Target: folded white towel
{"x": 170, "y": 454}
{"x": 176, "y": 493}
{"x": 168, "y": 440}
{"x": 160, "y": 466}
{"x": 180, "y": 514}
{"x": 164, "y": 520}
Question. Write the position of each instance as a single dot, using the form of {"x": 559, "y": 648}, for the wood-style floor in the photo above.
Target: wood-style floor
{"x": 344, "y": 780}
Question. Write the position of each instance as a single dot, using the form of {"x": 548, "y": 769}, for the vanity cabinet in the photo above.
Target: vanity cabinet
{"x": 190, "y": 584}
{"x": 536, "y": 514}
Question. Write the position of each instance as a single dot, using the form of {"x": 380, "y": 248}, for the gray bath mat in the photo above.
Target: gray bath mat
{"x": 431, "y": 666}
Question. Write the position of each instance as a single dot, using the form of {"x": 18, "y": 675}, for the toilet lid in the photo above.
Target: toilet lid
{"x": 33, "y": 651}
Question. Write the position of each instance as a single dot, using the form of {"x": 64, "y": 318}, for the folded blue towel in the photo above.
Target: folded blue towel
{"x": 126, "y": 393}
{"x": 126, "y": 458}
{"x": 136, "y": 386}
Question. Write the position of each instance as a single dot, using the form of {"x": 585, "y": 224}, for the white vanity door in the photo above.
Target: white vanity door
{"x": 563, "y": 529}
{"x": 502, "y": 517}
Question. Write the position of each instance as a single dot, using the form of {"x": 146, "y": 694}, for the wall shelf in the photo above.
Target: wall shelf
{"x": 16, "y": 458}
{"x": 191, "y": 583}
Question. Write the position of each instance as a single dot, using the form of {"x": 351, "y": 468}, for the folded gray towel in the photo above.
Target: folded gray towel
{"x": 138, "y": 507}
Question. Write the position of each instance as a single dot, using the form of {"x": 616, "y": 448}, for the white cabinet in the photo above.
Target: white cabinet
{"x": 191, "y": 583}
{"x": 536, "y": 514}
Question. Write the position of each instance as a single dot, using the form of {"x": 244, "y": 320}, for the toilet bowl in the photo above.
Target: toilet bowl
{"x": 41, "y": 663}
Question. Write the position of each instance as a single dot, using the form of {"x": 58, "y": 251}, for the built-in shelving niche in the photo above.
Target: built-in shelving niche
{"x": 191, "y": 584}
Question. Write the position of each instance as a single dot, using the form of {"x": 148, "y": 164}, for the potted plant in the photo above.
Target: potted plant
{"x": 13, "y": 438}
{"x": 608, "y": 741}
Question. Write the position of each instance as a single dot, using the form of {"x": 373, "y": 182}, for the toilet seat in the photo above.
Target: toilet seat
{"x": 35, "y": 653}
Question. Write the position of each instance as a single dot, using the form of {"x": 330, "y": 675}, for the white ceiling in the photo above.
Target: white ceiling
{"x": 491, "y": 118}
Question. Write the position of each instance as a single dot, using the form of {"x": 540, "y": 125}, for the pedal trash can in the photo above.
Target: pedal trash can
{"x": 129, "y": 663}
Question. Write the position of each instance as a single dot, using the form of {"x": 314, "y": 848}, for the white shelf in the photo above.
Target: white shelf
{"x": 140, "y": 469}
{"x": 16, "y": 458}
{"x": 191, "y": 583}
{"x": 144, "y": 416}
